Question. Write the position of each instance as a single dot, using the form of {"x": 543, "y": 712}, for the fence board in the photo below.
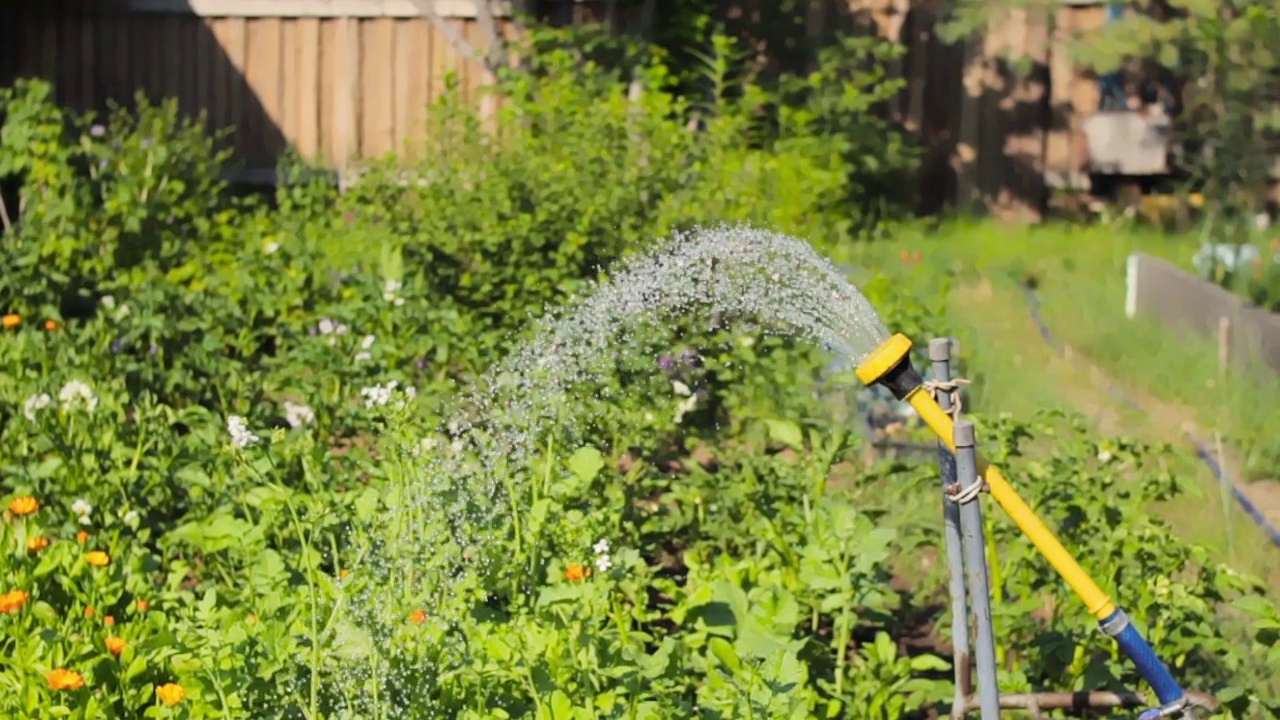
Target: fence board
{"x": 377, "y": 87}
{"x": 305, "y": 86}
{"x": 1188, "y": 305}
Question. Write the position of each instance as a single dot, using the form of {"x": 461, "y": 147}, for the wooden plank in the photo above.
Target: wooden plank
{"x": 262, "y": 63}
{"x": 306, "y": 87}
{"x": 188, "y": 88}
{"x": 88, "y": 49}
{"x": 410, "y": 66}
{"x": 311, "y": 8}
{"x": 377, "y": 87}
{"x": 287, "y": 118}
{"x": 442, "y": 53}
{"x": 228, "y": 80}
{"x": 73, "y": 66}
{"x": 339, "y": 93}
{"x": 206, "y": 54}
{"x": 172, "y": 84}
{"x": 123, "y": 84}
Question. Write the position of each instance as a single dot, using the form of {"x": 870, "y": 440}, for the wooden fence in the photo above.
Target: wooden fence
{"x": 1188, "y": 305}
{"x": 348, "y": 80}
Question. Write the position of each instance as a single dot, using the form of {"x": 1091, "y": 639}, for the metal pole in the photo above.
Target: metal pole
{"x": 962, "y": 657}
{"x": 975, "y": 563}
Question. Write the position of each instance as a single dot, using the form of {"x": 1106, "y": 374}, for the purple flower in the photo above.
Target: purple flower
{"x": 153, "y": 349}
{"x": 690, "y": 356}
{"x": 666, "y": 363}
{"x": 117, "y": 345}
{"x": 422, "y": 362}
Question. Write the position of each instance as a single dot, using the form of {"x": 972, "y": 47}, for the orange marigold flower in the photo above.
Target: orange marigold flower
{"x": 115, "y": 645}
{"x": 97, "y": 558}
{"x": 64, "y": 679}
{"x": 143, "y": 605}
{"x": 576, "y": 571}
{"x": 24, "y": 505}
{"x": 13, "y": 600}
{"x": 37, "y": 543}
{"x": 88, "y": 611}
{"x": 50, "y": 324}
{"x": 417, "y": 616}
{"x": 10, "y": 321}
{"x": 108, "y": 620}
{"x": 170, "y": 693}
{"x": 82, "y": 536}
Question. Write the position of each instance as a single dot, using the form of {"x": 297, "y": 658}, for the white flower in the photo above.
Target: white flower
{"x": 131, "y": 518}
{"x": 603, "y": 563}
{"x": 77, "y": 393}
{"x": 241, "y": 436}
{"x": 680, "y": 388}
{"x": 601, "y": 547}
{"x": 298, "y": 415}
{"x": 108, "y": 302}
{"x": 1105, "y": 456}
{"x": 35, "y": 404}
{"x": 391, "y": 291}
{"x": 685, "y": 406}
{"x": 363, "y": 356}
{"x": 82, "y": 510}
{"x": 366, "y": 342}
{"x": 271, "y": 247}
{"x": 379, "y": 395}
{"x": 328, "y": 326}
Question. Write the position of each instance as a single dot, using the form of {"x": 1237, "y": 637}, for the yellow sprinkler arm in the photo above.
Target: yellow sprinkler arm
{"x": 890, "y": 365}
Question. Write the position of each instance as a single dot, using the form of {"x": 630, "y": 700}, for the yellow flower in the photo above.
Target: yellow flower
{"x": 50, "y": 324}
{"x": 37, "y": 543}
{"x": 143, "y": 605}
{"x": 417, "y": 616}
{"x": 82, "y": 536}
{"x": 576, "y": 571}
{"x": 12, "y": 600}
{"x": 24, "y": 505}
{"x": 108, "y": 620}
{"x": 88, "y": 611}
{"x": 97, "y": 558}
{"x": 115, "y": 645}
{"x": 64, "y": 679}
{"x": 170, "y": 693}
{"x": 10, "y": 321}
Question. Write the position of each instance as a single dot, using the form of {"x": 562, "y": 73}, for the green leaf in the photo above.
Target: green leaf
{"x": 724, "y": 652}
{"x": 925, "y": 663}
{"x": 585, "y": 463}
{"x": 786, "y": 432}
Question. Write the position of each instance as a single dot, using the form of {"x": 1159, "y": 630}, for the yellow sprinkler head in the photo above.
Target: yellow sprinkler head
{"x": 890, "y": 365}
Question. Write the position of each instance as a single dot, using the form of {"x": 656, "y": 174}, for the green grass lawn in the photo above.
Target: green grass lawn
{"x": 1078, "y": 273}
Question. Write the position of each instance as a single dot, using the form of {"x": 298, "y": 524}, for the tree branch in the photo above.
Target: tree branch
{"x": 494, "y": 57}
